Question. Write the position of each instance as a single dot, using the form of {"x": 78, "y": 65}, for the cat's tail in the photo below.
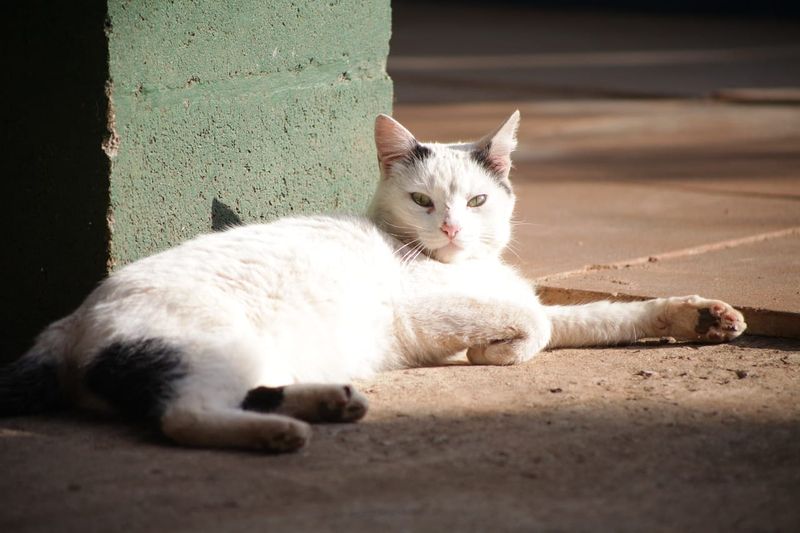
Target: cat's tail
{"x": 30, "y": 384}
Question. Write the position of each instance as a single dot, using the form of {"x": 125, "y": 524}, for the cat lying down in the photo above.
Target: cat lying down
{"x": 241, "y": 338}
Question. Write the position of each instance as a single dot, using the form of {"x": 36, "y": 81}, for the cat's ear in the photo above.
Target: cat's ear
{"x": 394, "y": 142}
{"x": 494, "y": 150}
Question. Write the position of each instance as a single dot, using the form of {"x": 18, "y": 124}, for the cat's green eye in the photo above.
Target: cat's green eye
{"x": 477, "y": 201}
{"x": 422, "y": 200}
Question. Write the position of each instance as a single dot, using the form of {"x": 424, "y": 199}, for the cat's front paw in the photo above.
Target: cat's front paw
{"x": 504, "y": 351}
{"x": 323, "y": 403}
{"x": 699, "y": 319}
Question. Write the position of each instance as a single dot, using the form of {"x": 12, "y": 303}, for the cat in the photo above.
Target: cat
{"x": 242, "y": 338}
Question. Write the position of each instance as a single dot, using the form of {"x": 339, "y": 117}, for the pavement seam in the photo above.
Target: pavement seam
{"x": 666, "y": 184}
{"x": 674, "y": 254}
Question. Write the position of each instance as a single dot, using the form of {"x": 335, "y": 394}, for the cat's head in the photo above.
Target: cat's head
{"x": 451, "y": 201}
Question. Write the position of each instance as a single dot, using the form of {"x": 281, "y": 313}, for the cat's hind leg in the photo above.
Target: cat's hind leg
{"x": 192, "y": 389}
{"x": 208, "y": 426}
{"x": 309, "y": 401}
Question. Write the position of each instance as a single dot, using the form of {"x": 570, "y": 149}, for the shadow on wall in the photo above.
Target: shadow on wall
{"x": 223, "y": 217}
{"x": 55, "y": 174}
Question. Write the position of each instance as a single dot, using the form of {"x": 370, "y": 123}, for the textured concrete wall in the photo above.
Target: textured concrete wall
{"x": 264, "y": 107}
{"x": 216, "y": 112}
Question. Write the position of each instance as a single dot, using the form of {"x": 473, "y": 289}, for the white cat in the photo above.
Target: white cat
{"x": 239, "y": 338}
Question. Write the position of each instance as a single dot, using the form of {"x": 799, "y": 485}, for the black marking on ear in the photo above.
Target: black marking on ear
{"x": 137, "y": 378}
{"x": 263, "y": 399}
{"x": 481, "y": 157}
{"x": 418, "y": 154}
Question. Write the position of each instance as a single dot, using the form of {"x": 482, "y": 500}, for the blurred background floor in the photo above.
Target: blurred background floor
{"x": 463, "y": 51}
{"x": 659, "y": 152}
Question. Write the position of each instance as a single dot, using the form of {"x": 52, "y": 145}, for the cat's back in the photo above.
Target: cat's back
{"x": 260, "y": 253}
{"x": 260, "y": 274}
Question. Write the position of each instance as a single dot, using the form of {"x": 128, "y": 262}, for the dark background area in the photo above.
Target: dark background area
{"x": 473, "y": 51}
{"x": 55, "y": 174}
{"x": 720, "y": 7}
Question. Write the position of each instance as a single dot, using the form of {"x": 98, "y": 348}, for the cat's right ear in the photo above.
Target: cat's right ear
{"x": 393, "y": 141}
{"x": 494, "y": 150}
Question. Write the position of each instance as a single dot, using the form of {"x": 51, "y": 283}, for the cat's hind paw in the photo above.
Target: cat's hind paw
{"x": 341, "y": 403}
{"x": 699, "y": 319}
{"x": 289, "y": 437}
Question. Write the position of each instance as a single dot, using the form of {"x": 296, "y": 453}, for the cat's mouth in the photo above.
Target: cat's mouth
{"x": 452, "y": 246}
{"x": 447, "y": 253}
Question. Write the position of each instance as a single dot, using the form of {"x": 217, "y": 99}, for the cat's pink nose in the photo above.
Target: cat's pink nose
{"x": 451, "y": 230}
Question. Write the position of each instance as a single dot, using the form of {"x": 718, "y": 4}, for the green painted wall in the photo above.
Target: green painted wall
{"x": 264, "y": 107}
{"x": 138, "y": 124}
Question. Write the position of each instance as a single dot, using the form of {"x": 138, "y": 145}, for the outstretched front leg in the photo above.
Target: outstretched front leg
{"x": 603, "y": 323}
{"x": 492, "y": 331}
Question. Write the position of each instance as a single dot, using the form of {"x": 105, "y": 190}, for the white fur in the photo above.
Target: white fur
{"x": 329, "y": 299}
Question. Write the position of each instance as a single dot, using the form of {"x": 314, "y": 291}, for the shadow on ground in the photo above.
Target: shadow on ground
{"x": 575, "y": 440}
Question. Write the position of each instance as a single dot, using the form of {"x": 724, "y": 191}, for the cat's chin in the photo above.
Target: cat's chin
{"x": 449, "y": 253}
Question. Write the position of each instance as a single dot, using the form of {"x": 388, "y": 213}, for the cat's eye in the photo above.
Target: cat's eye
{"x": 477, "y": 201}
{"x": 422, "y": 200}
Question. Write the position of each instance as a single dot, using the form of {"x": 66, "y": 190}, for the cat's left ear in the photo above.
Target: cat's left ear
{"x": 494, "y": 150}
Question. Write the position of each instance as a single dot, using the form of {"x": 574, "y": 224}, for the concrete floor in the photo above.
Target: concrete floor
{"x": 641, "y": 438}
{"x": 609, "y": 173}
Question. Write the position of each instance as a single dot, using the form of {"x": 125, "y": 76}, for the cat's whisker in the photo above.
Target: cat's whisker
{"x": 420, "y": 249}
{"x": 513, "y": 251}
{"x": 403, "y": 227}
{"x": 412, "y": 242}
{"x": 527, "y": 226}
{"x": 524, "y": 223}
{"x": 411, "y": 254}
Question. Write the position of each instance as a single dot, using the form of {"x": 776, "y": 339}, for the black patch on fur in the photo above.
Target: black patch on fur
{"x": 418, "y": 153}
{"x": 705, "y": 321}
{"x": 136, "y": 378}
{"x": 263, "y": 399}
{"x": 29, "y": 385}
{"x": 481, "y": 157}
